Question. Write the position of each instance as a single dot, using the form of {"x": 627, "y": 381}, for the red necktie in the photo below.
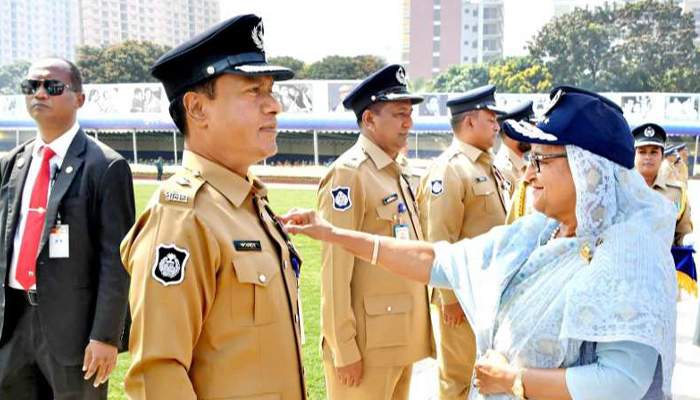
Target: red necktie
{"x": 26, "y": 262}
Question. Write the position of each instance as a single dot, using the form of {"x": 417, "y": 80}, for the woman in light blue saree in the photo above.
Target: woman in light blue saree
{"x": 576, "y": 301}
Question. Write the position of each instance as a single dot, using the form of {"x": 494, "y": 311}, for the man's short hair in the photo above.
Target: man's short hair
{"x": 76, "y": 78}
{"x": 374, "y": 108}
{"x": 177, "y": 107}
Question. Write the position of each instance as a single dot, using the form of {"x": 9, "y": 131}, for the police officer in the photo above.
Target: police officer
{"x": 374, "y": 325}
{"x": 462, "y": 196}
{"x": 509, "y": 158}
{"x": 682, "y": 164}
{"x": 521, "y": 196}
{"x": 669, "y": 166}
{"x": 650, "y": 140}
{"x": 214, "y": 294}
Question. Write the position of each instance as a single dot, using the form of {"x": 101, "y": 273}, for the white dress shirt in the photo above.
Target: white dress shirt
{"x": 60, "y": 147}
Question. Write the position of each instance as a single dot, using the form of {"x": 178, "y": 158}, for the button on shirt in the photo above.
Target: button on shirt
{"x": 60, "y": 147}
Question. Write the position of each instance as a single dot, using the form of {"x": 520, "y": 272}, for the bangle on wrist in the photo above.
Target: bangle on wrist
{"x": 375, "y": 250}
{"x": 518, "y": 389}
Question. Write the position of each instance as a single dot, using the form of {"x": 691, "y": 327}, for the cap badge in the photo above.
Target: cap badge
{"x": 211, "y": 70}
{"x": 554, "y": 102}
{"x": 401, "y": 76}
{"x": 649, "y": 132}
{"x": 257, "y": 34}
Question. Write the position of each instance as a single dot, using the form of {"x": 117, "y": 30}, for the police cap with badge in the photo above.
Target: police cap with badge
{"x": 481, "y": 98}
{"x": 582, "y": 118}
{"x": 649, "y": 135}
{"x": 521, "y": 112}
{"x": 387, "y": 84}
{"x": 234, "y": 46}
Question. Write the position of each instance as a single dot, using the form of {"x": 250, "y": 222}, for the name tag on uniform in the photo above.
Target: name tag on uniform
{"x": 390, "y": 198}
{"x": 402, "y": 232}
{"x": 58, "y": 242}
{"x": 247, "y": 245}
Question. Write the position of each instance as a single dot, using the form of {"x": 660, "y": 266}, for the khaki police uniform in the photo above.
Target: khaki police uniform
{"x": 462, "y": 196}
{"x": 521, "y": 202}
{"x": 214, "y": 294}
{"x": 511, "y": 166}
{"x": 675, "y": 191}
{"x": 368, "y": 313}
{"x": 669, "y": 171}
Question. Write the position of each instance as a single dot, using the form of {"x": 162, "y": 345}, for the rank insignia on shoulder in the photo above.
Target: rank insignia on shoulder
{"x": 341, "y": 198}
{"x": 169, "y": 268}
{"x": 390, "y": 198}
{"x": 436, "y": 187}
{"x": 480, "y": 179}
{"x": 247, "y": 245}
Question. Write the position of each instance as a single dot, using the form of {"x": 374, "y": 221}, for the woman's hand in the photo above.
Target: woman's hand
{"x": 306, "y": 222}
{"x": 494, "y": 375}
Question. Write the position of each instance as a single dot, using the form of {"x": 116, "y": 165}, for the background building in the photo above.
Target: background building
{"x": 32, "y": 29}
{"x": 441, "y": 33}
{"x": 165, "y": 22}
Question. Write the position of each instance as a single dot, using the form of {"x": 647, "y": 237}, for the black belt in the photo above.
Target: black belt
{"x": 30, "y": 296}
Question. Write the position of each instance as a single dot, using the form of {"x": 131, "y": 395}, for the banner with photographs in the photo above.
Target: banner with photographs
{"x": 124, "y": 99}
{"x": 326, "y": 97}
{"x": 294, "y": 97}
{"x": 337, "y": 91}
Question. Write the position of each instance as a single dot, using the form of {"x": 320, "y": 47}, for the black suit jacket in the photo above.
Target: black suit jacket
{"x": 84, "y": 296}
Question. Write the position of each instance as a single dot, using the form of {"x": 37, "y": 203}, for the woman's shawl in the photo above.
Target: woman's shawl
{"x": 536, "y": 300}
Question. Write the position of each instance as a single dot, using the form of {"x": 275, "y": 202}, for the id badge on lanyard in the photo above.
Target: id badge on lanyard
{"x": 402, "y": 231}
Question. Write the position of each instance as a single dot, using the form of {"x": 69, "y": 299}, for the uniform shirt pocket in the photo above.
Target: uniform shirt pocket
{"x": 387, "y": 320}
{"x": 485, "y": 193}
{"x": 252, "y": 303}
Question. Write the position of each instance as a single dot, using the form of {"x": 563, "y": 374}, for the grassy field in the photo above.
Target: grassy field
{"x": 282, "y": 200}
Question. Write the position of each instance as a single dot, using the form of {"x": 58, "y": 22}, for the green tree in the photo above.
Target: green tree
{"x": 656, "y": 49}
{"x": 341, "y": 67}
{"x": 292, "y": 63}
{"x": 641, "y": 46}
{"x": 417, "y": 85}
{"x": 11, "y": 75}
{"x": 577, "y": 47}
{"x": 520, "y": 75}
{"x": 125, "y": 62}
{"x": 90, "y": 61}
{"x": 460, "y": 78}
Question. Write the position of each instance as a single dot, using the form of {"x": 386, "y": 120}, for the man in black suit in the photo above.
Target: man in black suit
{"x": 66, "y": 201}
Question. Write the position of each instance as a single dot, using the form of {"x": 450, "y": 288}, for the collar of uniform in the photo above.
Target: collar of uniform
{"x": 517, "y": 161}
{"x": 659, "y": 181}
{"x": 470, "y": 151}
{"x": 380, "y": 158}
{"x": 230, "y": 184}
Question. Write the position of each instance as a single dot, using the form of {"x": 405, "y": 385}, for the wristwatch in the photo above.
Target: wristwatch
{"x": 518, "y": 389}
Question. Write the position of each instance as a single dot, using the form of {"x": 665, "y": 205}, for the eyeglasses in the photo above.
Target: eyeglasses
{"x": 53, "y": 87}
{"x": 536, "y": 159}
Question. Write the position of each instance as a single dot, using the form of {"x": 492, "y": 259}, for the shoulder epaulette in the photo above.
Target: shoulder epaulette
{"x": 353, "y": 158}
{"x": 180, "y": 189}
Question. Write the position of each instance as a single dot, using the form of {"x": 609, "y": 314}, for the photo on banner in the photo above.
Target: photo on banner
{"x": 434, "y": 105}
{"x": 337, "y": 91}
{"x": 681, "y": 107}
{"x": 294, "y": 97}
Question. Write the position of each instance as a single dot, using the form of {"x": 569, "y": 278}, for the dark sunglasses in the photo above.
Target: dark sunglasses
{"x": 53, "y": 87}
{"x": 536, "y": 159}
